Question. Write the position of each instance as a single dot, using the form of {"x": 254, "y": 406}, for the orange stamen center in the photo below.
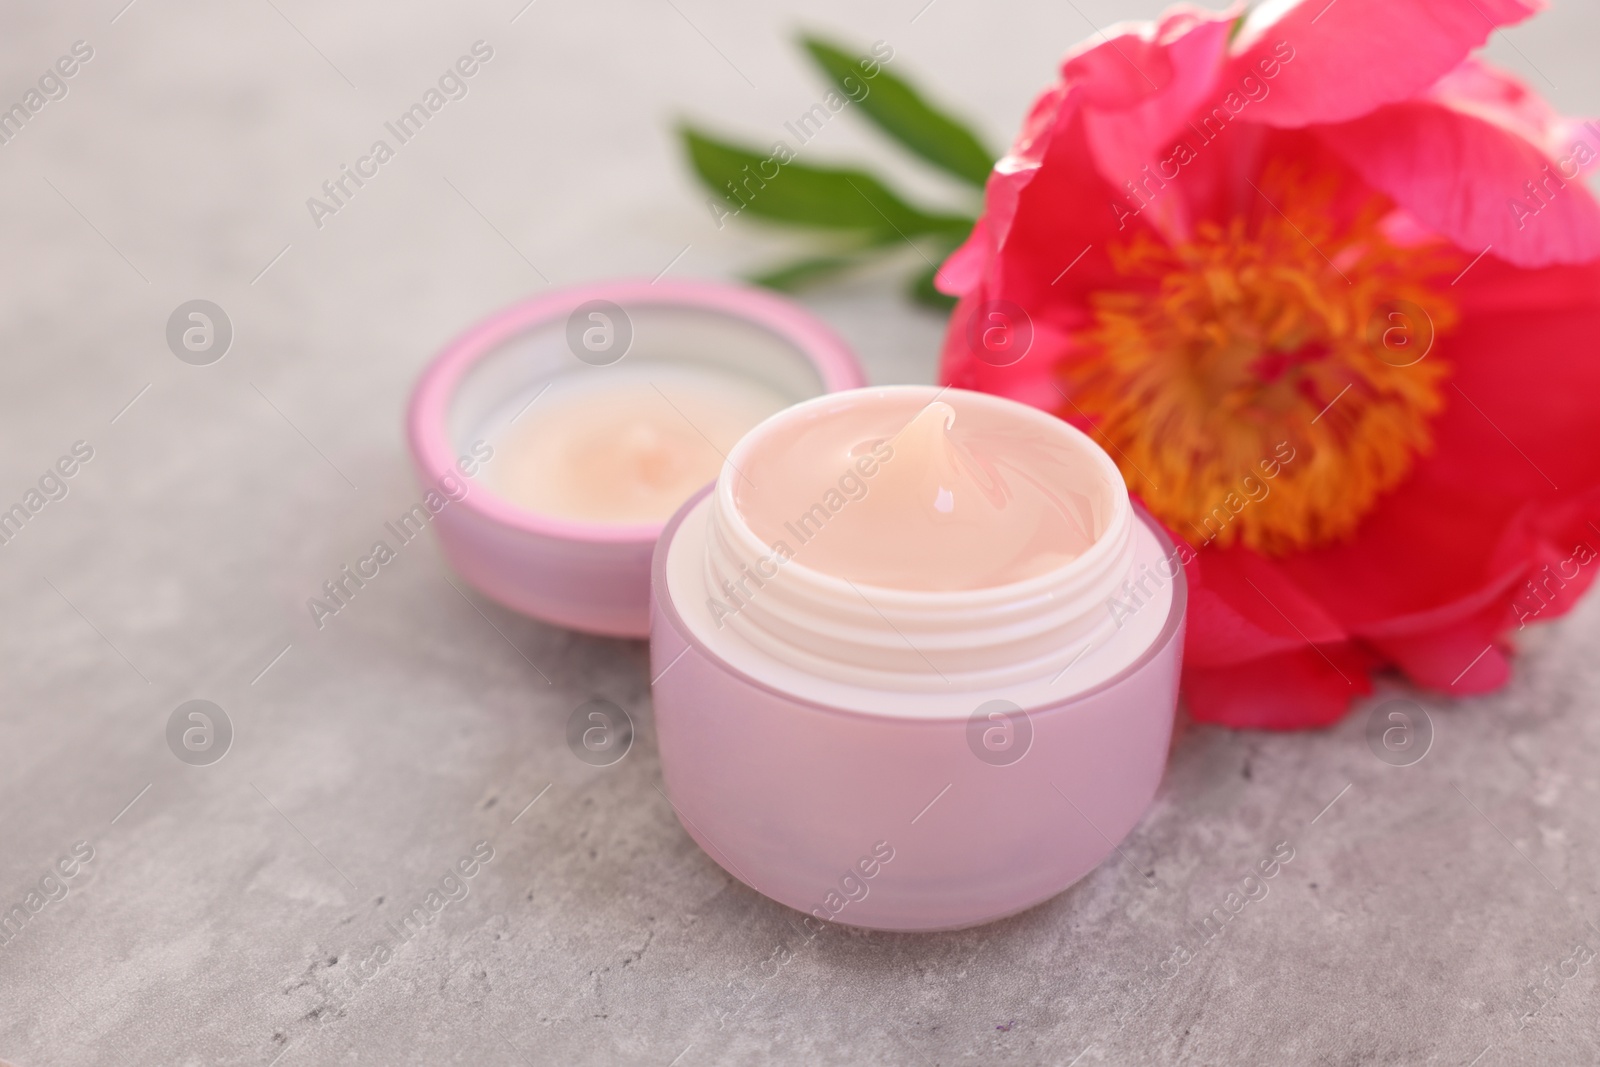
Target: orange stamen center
{"x": 1265, "y": 382}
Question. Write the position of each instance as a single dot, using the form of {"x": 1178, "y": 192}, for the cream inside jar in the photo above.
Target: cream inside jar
{"x": 902, "y": 549}
{"x": 893, "y": 494}
{"x": 626, "y": 444}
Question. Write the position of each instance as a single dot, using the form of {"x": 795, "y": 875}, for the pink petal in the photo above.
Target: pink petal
{"x": 1460, "y": 660}
{"x": 1336, "y": 61}
{"x": 1501, "y": 97}
{"x": 963, "y": 269}
{"x": 1245, "y": 607}
{"x": 1129, "y": 95}
{"x": 1041, "y": 250}
{"x": 1476, "y": 182}
{"x": 1139, "y": 87}
{"x": 1298, "y": 690}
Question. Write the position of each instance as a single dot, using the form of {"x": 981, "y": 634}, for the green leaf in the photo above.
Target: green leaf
{"x": 804, "y": 272}
{"x": 902, "y": 113}
{"x": 760, "y": 184}
{"x": 922, "y": 291}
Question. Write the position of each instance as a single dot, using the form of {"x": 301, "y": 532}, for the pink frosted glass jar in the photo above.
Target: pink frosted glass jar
{"x": 587, "y": 575}
{"x": 922, "y": 810}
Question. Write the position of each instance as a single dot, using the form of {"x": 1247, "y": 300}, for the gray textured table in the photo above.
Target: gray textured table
{"x": 228, "y": 912}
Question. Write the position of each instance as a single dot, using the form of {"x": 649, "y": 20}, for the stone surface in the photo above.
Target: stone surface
{"x": 1420, "y": 903}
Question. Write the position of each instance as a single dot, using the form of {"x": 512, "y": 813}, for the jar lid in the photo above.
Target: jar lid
{"x": 588, "y": 575}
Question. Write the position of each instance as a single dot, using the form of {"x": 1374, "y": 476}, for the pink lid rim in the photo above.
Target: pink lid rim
{"x": 436, "y": 386}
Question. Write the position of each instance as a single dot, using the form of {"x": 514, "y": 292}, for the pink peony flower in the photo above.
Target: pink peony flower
{"x": 1328, "y": 289}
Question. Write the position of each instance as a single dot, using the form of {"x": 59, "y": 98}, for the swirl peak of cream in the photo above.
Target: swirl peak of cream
{"x": 890, "y": 489}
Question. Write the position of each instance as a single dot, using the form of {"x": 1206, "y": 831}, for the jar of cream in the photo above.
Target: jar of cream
{"x": 556, "y": 438}
{"x": 916, "y": 658}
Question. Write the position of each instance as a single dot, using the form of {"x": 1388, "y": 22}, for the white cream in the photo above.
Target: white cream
{"x": 892, "y": 490}
{"x": 625, "y": 444}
